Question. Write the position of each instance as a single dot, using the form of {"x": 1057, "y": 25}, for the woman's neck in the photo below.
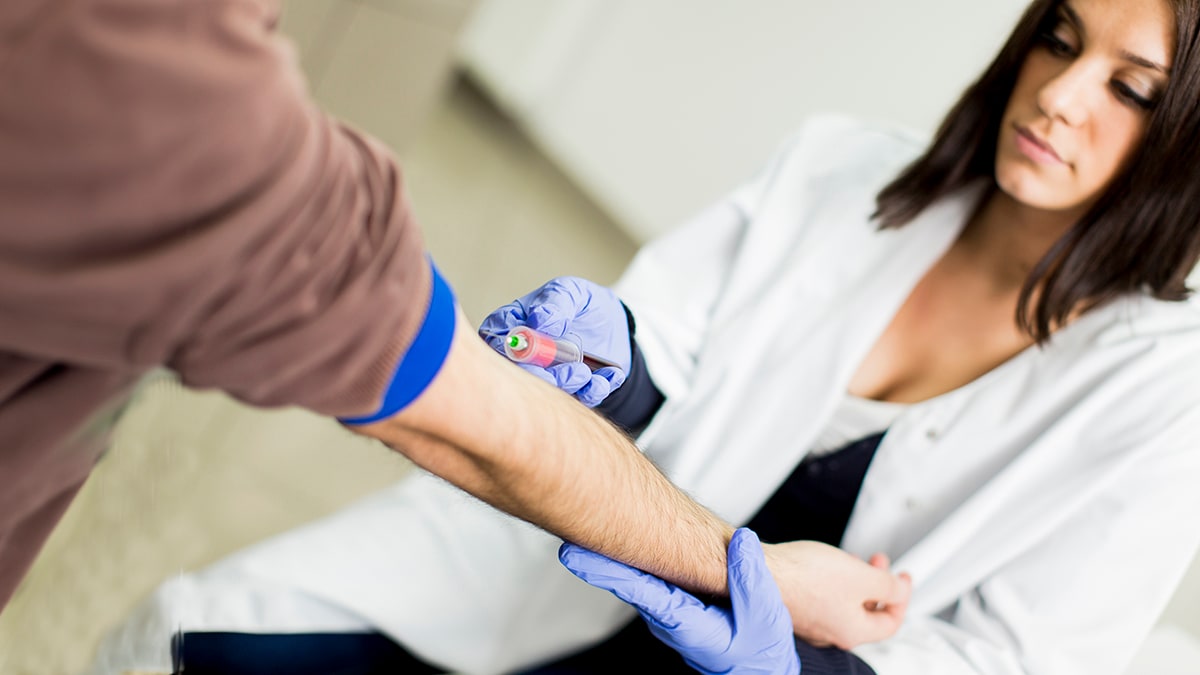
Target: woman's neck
{"x": 1006, "y": 239}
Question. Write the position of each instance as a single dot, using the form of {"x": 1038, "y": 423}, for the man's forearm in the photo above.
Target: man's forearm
{"x": 532, "y": 451}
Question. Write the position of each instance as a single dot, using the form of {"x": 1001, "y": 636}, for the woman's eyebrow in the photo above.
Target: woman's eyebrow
{"x": 1072, "y": 18}
{"x": 1144, "y": 62}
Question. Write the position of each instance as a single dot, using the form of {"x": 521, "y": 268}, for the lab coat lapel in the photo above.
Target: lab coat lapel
{"x": 1011, "y": 510}
{"x": 816, "y": 324}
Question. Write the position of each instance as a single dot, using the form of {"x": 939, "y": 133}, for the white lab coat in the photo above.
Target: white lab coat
{"x": 1045, "y": 510}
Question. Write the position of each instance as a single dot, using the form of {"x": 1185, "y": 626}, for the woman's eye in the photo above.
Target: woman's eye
{"x": 1127, "y": 94}
{"x": 1057, "y": 45}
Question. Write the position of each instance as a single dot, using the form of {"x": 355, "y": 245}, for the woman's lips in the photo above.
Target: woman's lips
{"x": 1035, "y": 148}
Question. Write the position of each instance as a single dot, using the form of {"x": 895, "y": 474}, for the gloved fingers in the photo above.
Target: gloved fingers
{"x": 591, "y": 388}
{"x": 538, "y": 372}
{"x": 583, "y": 312}
{"x": 703, "y": 635}
{"x": 499, "y": 322}
{"x": 570, "y": 377}
{"x": 553, "y": 307}
{"x": 595, "y": 391}
{"x": 615, "y": 376}
{"x": 494, "y": 341}
{"x": 755, "y": 598}
{"x": 658, "y": 601}
{"x": 705, "y": 630}
{"x": 548, "y": 308}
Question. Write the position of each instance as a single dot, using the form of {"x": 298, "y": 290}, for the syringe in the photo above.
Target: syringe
{"x": 526, "y": 345}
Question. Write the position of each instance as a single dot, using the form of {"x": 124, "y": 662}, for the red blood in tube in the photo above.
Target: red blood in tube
{"x": 540, "y": 350}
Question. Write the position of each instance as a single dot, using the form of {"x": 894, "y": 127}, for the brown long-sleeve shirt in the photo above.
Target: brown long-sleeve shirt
{"x": 170, "y": 196}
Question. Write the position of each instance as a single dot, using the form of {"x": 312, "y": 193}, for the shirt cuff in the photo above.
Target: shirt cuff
{"x": 424, "y": 358}
{"x": 637, "y": 400}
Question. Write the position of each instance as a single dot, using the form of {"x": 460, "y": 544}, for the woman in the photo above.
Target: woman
{"x": 992, "y": 313}
{"x": 974, "y": 356}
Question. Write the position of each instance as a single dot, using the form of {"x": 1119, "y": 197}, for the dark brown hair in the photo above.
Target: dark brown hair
{"x": 1144, "y": 230}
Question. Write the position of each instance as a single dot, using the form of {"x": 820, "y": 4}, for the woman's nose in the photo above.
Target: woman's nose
{"x": 1065, "y": 95}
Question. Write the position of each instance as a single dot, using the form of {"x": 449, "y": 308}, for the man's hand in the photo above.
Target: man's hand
{"x": 835, "y": 598}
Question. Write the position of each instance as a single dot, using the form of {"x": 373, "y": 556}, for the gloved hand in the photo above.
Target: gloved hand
{"x": 579, "y": 310}
{"x": 754, "y": 636}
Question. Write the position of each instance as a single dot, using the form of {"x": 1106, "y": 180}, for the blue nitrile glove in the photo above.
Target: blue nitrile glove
{"x": 755, "y": 636}
{"x": 583, "y": 312}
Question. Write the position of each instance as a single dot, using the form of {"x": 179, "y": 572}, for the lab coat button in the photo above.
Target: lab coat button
{"x": 931, "y": 433}
{"x": 911, "y": 504}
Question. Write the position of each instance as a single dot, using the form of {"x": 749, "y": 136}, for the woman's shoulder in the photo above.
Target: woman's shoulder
{"x": 1149, "y": 335}
{"x": 1140, "y": 315}
{"x": 847, "y": 148}
{"x": 1133, "y": 373}
{"x": 843, "y": 137}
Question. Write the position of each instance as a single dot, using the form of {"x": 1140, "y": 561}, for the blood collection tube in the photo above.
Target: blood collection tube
{"x": 526, "y": 345}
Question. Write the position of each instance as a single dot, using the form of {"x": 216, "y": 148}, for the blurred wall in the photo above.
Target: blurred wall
{"x": 380, "y": 65}
{"x": 657, "y": 107}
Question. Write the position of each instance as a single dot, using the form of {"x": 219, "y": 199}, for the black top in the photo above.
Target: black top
{"x": 814, "y": 503}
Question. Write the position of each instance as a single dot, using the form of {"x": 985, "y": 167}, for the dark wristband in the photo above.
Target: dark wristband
{"x": 632, "y": 405}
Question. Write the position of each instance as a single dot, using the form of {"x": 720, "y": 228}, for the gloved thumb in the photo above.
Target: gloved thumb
{"x": 499, "y": 322}
{"x": 556, "y": 304}
{"x": 753, "y": 593}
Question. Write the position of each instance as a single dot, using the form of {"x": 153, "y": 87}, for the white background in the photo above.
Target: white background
{"x": 656, "y": 107}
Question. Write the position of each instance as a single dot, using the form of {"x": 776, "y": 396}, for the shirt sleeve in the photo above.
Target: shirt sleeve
{"x": 829, "y": 661}
{"x": 183, "y": 202}
{"x": 637, "y": 399}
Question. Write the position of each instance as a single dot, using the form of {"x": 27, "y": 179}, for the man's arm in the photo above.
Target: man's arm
{"x": 530, "y": 450}
{"x": 255, "y": 245}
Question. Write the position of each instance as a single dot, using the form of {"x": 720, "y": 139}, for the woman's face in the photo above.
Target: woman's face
{"x": 1082, "y": 100}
